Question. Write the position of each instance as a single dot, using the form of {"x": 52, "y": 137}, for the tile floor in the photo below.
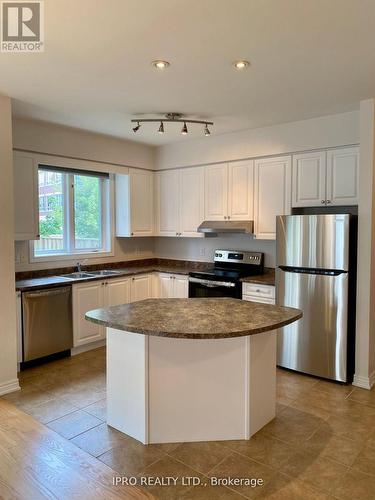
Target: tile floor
{"x": 321, "y": 444}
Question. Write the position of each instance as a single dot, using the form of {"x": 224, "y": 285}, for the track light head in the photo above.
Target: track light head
{"x": 184, "y": 130}
{"x": 135, "y": 129}
{"x": 206, "y": 130}
{"x": 161, "y": 128}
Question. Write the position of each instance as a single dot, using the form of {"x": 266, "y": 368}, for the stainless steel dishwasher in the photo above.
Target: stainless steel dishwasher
{"x": 47, "y": 322}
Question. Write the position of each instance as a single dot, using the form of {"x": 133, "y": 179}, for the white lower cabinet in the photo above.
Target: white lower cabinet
{"x": 172, "y": 286}
{"x": 140, "y": 287}
{"x": 264, "y": 294}
{"x": 180, "y": 287}
{"x": 19, "y": 326}
{"x": 94, "y": 295}
{"x": 117, "y": 291}
{"x": 86, "y": 296}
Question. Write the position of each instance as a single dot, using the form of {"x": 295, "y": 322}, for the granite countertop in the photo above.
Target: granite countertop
{"x": 133, "y": 268}
{"x": 209, "y": 318}
{"x": 56, "y": 281}
{"x": 268, "y": 278}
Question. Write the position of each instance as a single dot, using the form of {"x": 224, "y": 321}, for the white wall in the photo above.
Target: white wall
{"x": 365, "y": 334}
{"x": 8, "y": 352}
{"x": 44, "y": 137}
{"x": 326, "y": 131}
{"x": 202, "y": 249}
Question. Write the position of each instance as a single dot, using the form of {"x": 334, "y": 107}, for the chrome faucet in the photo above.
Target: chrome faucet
{"x": 79, "y": 265}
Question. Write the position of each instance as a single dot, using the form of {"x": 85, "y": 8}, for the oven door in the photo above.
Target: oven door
{"x": 200, "y": 288}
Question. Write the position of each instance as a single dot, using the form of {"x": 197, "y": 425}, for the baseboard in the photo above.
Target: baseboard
{"x": 87, "y": 347}
{"x": 364, "y": 382}
{"x": 11, "y": 386}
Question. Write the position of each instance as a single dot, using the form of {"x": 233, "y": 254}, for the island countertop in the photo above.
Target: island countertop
{"x": 195, "y": 318}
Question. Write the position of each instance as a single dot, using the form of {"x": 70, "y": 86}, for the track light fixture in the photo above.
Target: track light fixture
{"x": 135, "y": 129}
{"x": 184, "y": 129}
{"x": 172, "y": 118}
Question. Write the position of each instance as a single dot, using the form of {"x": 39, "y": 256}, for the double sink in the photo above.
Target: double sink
{"x": 92, "y": 274}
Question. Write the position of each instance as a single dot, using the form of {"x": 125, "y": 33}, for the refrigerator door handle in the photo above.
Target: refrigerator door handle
{"x": 308, "y": 270}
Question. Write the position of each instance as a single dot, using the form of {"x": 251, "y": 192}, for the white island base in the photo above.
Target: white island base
{"x": 165, "y": 390}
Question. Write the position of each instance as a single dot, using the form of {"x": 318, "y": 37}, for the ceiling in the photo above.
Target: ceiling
{"x": 308, "y": 58}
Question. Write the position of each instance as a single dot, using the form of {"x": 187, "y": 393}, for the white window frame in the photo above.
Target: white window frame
{"x": 107, "y": 214}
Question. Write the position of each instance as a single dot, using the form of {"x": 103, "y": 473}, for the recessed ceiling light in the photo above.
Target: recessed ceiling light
{"x": 159, "y": 64}
{"x": 241, "y": 64}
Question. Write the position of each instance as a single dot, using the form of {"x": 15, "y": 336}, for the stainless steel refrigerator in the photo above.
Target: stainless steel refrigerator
{"x": 315, "y": 272}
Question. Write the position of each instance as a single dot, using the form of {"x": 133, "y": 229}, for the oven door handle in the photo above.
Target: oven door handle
{"x": 212, "y": 284}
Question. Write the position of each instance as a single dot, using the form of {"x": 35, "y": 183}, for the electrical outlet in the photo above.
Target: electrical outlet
{"x": 202, "y": 251}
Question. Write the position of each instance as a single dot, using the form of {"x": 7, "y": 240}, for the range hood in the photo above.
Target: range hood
{"x": 214, "y": 227}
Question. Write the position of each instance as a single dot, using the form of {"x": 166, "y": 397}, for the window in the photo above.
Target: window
{"x": 73, "y": 212}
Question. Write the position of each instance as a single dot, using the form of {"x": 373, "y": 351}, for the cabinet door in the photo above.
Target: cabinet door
{"x": 165, "y": 286}
{"x": 26, "y": 197}
{"x": 180, "y": 287}
{"x": 309, "y": 179}
{"x": 117, "y": 292}
{"x": 216, "y": 192}
{"x": 167, "y": 203}
{"x": 19, "y": 326}
{"x": 271, "y": 194}
{"x": 191, "y": 201}
{"x": 87, "y": 296}
{"x": 241, "y": 190}
{"x": 141, "y": 203}
{"x": 140, "y": 288}
{"x": 342, "y": 176}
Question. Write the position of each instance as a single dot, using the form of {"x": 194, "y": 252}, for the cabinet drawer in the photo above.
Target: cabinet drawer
{"x": 261, "y": 291}
{"x": 261, "y": 300}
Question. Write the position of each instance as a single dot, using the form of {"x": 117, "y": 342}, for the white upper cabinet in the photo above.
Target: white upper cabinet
{"x": 26, "y": 198}
{"x": 309, "y": 179}
{"x": 191, "y": 200}
{"x": 179, "y": 202}
{"x": 134, "y": 203}
{"x": 167, "y": 203}
{"x": 229, "y": 191}
{"x": 271, "y": 194}
{"x": 241, "y": 190}
{"x": 342, "y": 176}
{"x": 326, "y": 178}
{"x": 216, "y": 192}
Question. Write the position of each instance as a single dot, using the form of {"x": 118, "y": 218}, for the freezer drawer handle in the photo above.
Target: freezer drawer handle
{"x": 309, "y": 270}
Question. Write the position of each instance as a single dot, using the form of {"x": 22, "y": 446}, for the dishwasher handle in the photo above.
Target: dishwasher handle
{"x": 48, "y": 293}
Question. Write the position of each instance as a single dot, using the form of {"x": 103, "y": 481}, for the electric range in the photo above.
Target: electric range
{"x": 223, "y": 278}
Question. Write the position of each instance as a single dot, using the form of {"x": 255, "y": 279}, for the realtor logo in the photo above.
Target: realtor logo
{"x": 22, "y": 26}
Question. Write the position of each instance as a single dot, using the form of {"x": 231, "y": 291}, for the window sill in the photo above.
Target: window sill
{"x": 71, "y": 256}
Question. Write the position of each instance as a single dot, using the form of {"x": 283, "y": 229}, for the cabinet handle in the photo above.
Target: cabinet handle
{"x": 328, "y": 202}
{"x": 131, "y": 234}
{"x": 323, "y": 201}
{"x": 228, "y": 217}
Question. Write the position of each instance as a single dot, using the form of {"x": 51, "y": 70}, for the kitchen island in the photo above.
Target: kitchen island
{"x": 191, "y": 369}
